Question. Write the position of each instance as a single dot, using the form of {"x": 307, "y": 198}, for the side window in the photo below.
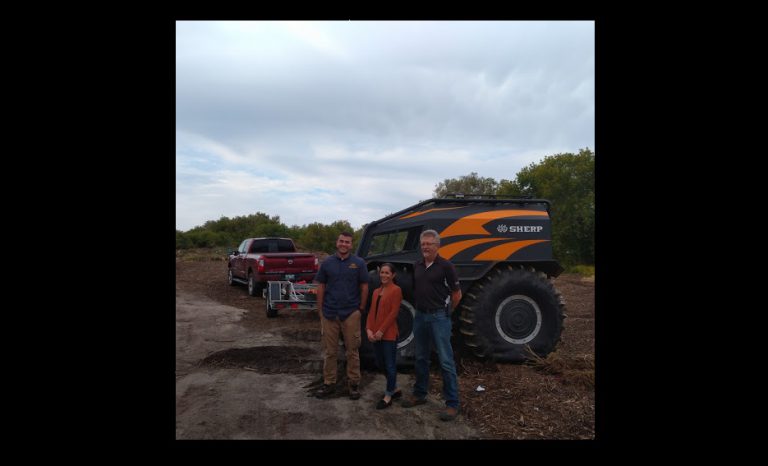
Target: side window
{"x": 387, "y": 243}
{"x": 242, "y": 246}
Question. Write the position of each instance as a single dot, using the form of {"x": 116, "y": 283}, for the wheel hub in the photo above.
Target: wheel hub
{"x": 518, "y": 319}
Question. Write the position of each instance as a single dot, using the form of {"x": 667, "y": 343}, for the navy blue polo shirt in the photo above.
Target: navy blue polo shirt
{"x": 342, "y": 279}
{"x": 433, "y": 285}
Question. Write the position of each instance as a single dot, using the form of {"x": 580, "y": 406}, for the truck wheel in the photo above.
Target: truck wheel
{"x": 254, "y": 289}
{"x": 229, "y": 277}
{"x": 510, "y": 309}
{"x": 271, "y": 312}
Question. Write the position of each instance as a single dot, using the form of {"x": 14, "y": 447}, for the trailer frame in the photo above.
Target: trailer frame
{"x": 284, "y": 294}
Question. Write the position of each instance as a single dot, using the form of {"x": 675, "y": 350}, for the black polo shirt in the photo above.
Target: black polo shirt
{"x": 433, "y": 285}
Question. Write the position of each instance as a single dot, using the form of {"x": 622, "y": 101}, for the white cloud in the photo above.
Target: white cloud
{"x": 324, "y": 121}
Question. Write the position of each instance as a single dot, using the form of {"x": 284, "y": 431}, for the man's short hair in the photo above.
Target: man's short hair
{"x": 430, "y": 233}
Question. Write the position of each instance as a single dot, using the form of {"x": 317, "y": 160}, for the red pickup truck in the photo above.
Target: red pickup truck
{"x": 259, "y": 260}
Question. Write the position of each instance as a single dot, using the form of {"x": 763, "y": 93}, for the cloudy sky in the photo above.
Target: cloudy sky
{"x": 354, "y": 120}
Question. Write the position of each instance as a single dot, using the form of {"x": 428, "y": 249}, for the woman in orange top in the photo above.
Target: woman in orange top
{"x": 381, "y": 327}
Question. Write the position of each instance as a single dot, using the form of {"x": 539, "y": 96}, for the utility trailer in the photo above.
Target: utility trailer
{"x": 283, "y": 294}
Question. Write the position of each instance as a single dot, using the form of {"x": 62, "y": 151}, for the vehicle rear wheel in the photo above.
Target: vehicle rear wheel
{"x": 509, "y": 310}
{"x": 254, "y": 289}
{"x": 271, "y": 312}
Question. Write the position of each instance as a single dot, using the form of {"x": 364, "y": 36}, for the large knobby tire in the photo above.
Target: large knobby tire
{"x": 406, "y": 347}
{"x": 510, "y": 309}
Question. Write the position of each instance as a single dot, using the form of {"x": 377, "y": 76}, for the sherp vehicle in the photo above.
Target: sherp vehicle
{"x": 502, "y": 251}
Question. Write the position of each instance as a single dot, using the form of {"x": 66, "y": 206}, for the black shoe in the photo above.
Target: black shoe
{"x": 398, "y": 394}
{"x": 383, "y": 404}
{"x": 326, "y": 391}
{"x": 354, "y": 394}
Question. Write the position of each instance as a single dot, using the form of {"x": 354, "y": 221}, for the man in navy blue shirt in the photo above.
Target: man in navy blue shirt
{"x": 341, "y": 298}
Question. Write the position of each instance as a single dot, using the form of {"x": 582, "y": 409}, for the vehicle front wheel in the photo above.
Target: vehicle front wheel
{"x": 230, "y": 279}
{"x": 509, "y": 311}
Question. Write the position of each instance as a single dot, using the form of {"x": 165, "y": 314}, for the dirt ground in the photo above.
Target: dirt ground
{"x": 241, "y": 375}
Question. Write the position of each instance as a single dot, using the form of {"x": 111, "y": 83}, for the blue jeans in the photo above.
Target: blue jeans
{"x": 386, "y": 360}
{"x": 435, "y": 328}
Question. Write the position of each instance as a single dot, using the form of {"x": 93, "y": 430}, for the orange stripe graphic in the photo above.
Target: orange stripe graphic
{"x": 502, "y": 252}
{"x": 416, "y": 214}
{"x": 455, "y": 248}
{"x": 473, "y": 224}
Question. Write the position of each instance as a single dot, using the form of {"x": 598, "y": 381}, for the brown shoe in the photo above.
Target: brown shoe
{"x": 412, "y": 401}
{"x": 449, "y": 414}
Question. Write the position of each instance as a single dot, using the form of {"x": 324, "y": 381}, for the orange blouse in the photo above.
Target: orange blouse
{"x": 385, "y": 317}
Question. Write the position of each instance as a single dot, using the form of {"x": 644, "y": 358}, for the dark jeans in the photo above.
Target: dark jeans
{"x": 386, "y": 360}
{"x": 435, "y": 328}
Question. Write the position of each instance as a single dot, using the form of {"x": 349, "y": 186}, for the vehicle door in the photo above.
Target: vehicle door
{"x": 240, "y": 262}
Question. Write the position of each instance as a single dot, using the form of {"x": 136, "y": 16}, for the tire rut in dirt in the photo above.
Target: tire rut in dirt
{"x": 267, "y": 359}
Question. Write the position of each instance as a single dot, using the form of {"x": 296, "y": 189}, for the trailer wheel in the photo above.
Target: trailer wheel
{"x": 508, "y": 310}
{"x": 271, "y": 312}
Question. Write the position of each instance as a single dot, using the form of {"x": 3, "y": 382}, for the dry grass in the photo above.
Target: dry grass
{"x": 522, "y": 402}
{"x": 577, "y": 369}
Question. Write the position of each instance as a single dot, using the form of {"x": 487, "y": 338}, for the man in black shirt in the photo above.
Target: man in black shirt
{"x": 436, "y": 294}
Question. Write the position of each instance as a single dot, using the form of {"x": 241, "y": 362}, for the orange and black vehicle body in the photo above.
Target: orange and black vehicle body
{"x": 502, "y": 251}
{"x": 475, "y": 234}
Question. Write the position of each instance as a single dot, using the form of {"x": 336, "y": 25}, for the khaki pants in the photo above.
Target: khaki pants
{"x": 350, "y": 328}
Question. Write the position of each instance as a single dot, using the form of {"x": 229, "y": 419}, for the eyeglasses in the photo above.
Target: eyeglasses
{"x": 428, "y": 244}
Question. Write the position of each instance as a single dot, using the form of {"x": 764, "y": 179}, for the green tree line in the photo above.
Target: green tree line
{"x": 229, "y": 232}
{"x": 566, "y": 179}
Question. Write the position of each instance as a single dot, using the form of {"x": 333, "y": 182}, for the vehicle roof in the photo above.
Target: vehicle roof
{"x": 448, "y": 208}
